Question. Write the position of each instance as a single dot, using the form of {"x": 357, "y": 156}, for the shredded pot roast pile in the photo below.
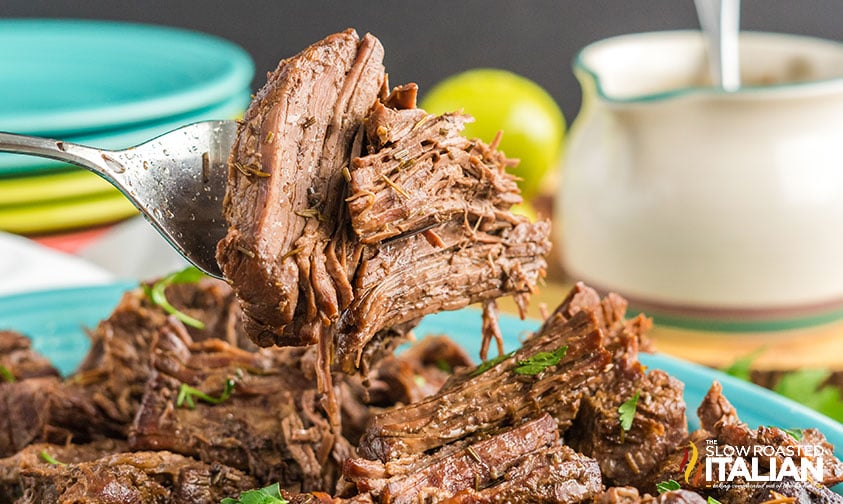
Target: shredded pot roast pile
{"x": 352, "y": 215}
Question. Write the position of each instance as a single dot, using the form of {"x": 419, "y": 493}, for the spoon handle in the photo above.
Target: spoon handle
{"x": 720, "y": 21}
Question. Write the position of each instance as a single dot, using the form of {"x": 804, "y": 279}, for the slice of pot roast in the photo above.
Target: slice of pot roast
{"x": 351, "y": 212}
{"x": 286, "y": 165}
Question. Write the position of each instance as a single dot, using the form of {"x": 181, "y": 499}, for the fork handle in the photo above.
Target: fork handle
{"x": 95, "y": 160}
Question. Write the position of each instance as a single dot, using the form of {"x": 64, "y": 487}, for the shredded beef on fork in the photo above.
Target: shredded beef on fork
{"x": 351, "y": 211}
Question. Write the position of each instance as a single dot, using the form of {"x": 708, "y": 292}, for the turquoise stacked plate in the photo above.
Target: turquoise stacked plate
{"x": 104, "y": 84}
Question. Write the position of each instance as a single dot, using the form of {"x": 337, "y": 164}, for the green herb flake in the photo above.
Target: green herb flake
{"x": 489, "y": 364}
{"x": 712, "y": 500}
{"x": 157, "y": 294}
{"x": 794, "y": 433}
{"x": 626, "y": 411}
{"x": 809, "y": 387}
{"x": 49, "y": 458}
{"x": 6, "y": 374}
{"x": 541, "y": 361}
{"x": 667, "y": 486}
{"x": 268, "y": 495}
{"x": 187, "y": 394}
{"x": 443, "y": 365}
{"x": 742, "y": 368}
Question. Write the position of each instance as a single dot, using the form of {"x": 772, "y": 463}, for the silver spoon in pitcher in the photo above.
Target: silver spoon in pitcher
{"x": 720, "y": 22}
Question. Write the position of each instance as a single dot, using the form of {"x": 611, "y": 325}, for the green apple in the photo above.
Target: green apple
{"x": 532, "y": 123}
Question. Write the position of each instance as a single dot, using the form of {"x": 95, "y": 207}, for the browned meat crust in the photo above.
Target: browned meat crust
{"x": 19, "y": 360}
{"x": 149, "y": 477}
{"x": 352, "y": 212}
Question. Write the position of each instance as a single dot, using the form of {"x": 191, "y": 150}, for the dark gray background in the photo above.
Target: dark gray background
{"x": 428, "y": 40}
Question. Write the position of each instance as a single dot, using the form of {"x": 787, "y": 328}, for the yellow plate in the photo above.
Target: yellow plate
{"x": 49, "y": 188}
{"x": 61, "y": 215}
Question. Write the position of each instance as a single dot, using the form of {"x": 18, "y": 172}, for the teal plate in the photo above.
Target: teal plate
{"x": 55, "y": 320}
{"x": 70, "y": 76}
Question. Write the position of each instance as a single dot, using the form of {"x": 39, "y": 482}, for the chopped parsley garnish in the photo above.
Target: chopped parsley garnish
{"x": 626, "y": 411}
{"x": 810, "y": 387}
{"x": 489, "y": 364}
{"x": 742, "y": 368}
{"x": 667, "y": 486}
{"x": 794, "y": 433}
{"x": 268, "y": 495}
{"x": 6, "y": 375}
{"x": 805, "y": 386}
{"x": 187, "y": 394}
{"x": 49, "y": 458}
{"x": 539, "y": 362}
{"x": 443, "y": 365}
{"x": 158, "y": 296}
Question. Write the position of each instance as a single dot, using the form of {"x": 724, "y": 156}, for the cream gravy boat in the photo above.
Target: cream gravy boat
{"x": 692, "y": 200}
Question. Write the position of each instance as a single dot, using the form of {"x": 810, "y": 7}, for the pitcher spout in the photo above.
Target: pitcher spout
{"x": 658, "y": 66}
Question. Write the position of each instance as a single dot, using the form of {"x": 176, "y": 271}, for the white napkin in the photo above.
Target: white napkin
{"x": 133, "y": 250}
{"x": 27, "y": 266}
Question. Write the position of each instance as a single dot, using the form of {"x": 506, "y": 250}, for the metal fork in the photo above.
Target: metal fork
{"x": 176, "y": 180}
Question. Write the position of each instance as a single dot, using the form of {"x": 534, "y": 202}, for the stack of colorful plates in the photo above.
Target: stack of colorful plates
{"x": 108, "y": 85}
